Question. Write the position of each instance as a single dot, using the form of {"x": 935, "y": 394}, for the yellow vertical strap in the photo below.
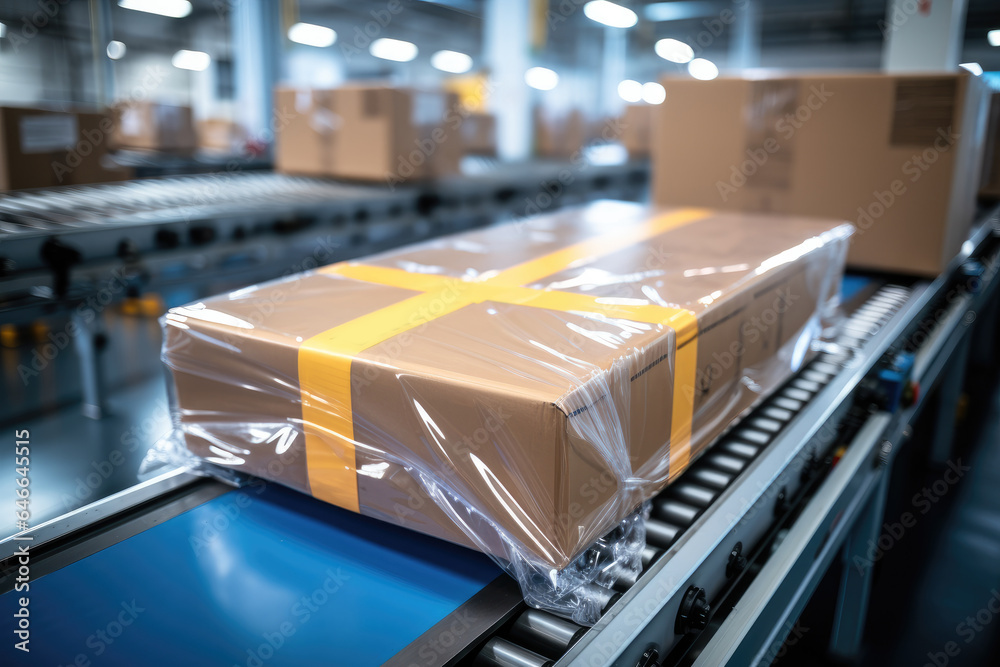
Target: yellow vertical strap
{"x": 325, "y": 385}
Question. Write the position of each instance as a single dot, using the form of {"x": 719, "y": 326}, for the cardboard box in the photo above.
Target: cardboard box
{"x": 518, "y": 387}
{"x": 561, "y": 136}
{"x": 479, "y": 134}
{"x": 147, "y": 125}
{"x": 372, "y": 133}
{"x": 898, "y": 155}
{"x": 41, "y": 148}
{"x": 989, "y": 188}
{"x": 220, "y": 135}
{"x": 636, "y": 130}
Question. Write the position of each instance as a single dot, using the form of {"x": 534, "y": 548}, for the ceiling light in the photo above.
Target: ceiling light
{"x": 674, "y": 50}
{"x": 175, "y": 9}
{"x": 610, "y": 14}
{"x": 993, "y": 37}
{"x": 196, "y": 61}
{"x": 630, "y": 91}
{"x": 703, "y": 69}
{"x": 451, "y": 61}
{"x": 116, "y": 50}
{"x": 312, "y": 35}
{"x": 541, "y": 78}
{"x": 975, "y": 68}
{"x": 653, "y": 93}
{"x": 393, "y": 49}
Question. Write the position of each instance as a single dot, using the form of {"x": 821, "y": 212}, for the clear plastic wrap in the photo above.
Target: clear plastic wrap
{"x": 521, "y": 390}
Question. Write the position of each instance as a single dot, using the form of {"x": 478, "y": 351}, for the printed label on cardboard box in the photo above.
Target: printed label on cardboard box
{"x": 48, "y": 132}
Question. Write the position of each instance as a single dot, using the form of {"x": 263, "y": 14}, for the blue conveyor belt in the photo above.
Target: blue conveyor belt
{"x": 258, "y": 576}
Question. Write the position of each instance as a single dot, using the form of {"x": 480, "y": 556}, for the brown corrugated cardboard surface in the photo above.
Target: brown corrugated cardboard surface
{"x": 523, "y": 415}
{"x": 367, "y": 132}
{"x": 42, "y": 148}
{"x": 147, "y": 125}
{"x": 870, "y": 148}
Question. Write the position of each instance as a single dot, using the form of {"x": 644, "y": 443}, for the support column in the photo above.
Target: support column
{"x": 506, "y": 28}
{"x": 100, "y": 35}
{"x": 923, "y": 35}
{"x": 257, "y": 36}
{"x": 612, "y": 71}
{"x": 744, "y": 47}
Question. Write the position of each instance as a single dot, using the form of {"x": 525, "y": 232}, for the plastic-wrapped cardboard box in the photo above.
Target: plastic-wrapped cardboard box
{"x": 43, "y": 148}
{"x": 148, "y": 125}
{"x": 519, "y": 389}
{"x": 897, "y": 155}
{"x": 367, "y": 132}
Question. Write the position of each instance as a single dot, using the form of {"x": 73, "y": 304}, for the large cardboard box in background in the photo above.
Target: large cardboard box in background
{"x": 479, "y": 134}
{"x": 527, "y": 396}
{"x": 220, "y": 135}
{"x": 43, "y": 148}
{"x": 636, "y": 130}
{"x": 898, "y": 155}
{"x": 990, "y": 186}
{"x": 147, "y": 125}
{"x": 367, "y": 132}
{"x": 560, "y": 135}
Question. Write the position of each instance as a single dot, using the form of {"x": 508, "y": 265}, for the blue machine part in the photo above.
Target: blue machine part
{"x": 851, "y": 285}
{"x": 258, "y": 576}
{"x": 893, "y": 381}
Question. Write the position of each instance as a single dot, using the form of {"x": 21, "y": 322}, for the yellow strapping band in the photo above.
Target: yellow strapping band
{"x": 324, "y": 361}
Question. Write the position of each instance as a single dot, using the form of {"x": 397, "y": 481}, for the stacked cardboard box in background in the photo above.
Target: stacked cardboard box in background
{"x": 42, "y": 148}
{"x": 560, "y": 136}
{"x": 479, "y": 134}
{"x": 898, "y": 155}
{"x": 219, "y": 135}
{"x": 367, "y": 132}
{"x": 636, "y": 130}
{"x": 147, "y": 125}
{"x": 989, "y": 188}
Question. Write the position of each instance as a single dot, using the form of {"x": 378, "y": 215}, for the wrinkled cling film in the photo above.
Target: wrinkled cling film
{"x": 521, "y": 390}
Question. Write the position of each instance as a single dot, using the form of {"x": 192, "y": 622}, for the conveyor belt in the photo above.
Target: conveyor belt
{"x": 253, "y": 572}
{"x": 750, "y": 455}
